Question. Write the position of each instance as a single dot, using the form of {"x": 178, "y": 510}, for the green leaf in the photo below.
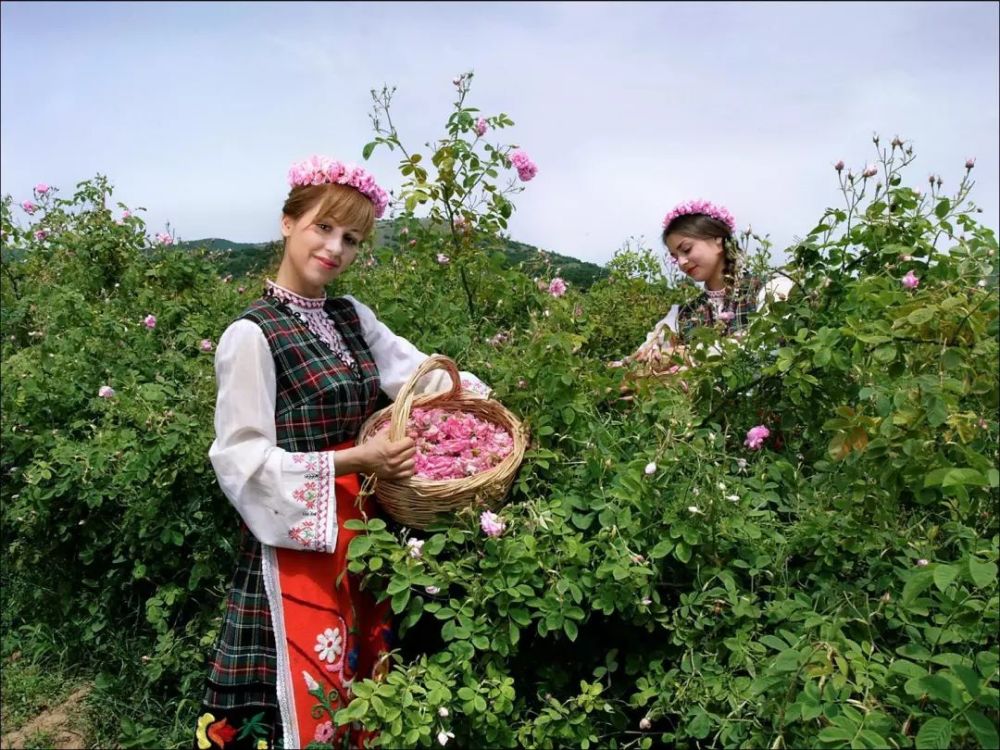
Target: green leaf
{"x": 921, "y": 315}
{"x": 366, "y": 152}
{"x": 984, "y": 574}
{"x": 359, "y": 545}
{"x": 919, "y": 582}
{"x": 571, "y": 629}
{"x": 786, "y": 661}
{"x": 835, "y": 734}
{"x": 934, "y": 734}
{"x": 944, "y": 575}
{"x": 942, "y": 208}
{"x": 907, "y": 668}
{"x": 984, "y": 729}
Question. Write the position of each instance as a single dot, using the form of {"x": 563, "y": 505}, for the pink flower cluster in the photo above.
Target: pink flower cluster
{"x": 164, "y": 238}
{"x": 557, "y": 287}
{"x": 452, "y": 444}
{"x": 701, "y": 207}
{"x": 322, "y": 170}
{"x": 756, "y": 437}
{"x": 526, "y": 168}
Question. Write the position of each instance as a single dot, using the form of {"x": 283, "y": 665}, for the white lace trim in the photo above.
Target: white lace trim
{"x": 286, "y": 696}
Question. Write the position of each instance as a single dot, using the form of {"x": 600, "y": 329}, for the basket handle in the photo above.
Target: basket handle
{"x": 400, "y": 413}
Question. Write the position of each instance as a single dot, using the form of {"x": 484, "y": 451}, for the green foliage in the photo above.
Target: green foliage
{"x": 658, "y": 582}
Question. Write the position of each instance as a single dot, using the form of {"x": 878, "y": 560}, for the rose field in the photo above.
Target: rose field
{"x": 664, "y": 572}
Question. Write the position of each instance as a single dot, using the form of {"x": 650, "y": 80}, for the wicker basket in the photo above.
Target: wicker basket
{"x": 417, "y": 502}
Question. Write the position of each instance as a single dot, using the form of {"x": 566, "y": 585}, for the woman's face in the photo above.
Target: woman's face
{"x": 316, "y": 251}
{"x": 702, "y": 260}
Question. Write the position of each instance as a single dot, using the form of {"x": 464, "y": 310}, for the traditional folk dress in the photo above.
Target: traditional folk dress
{"x": 733, "y": 309}
{"x": 296, "y": 378}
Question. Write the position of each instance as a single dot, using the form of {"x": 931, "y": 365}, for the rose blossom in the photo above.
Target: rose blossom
{"x": 910, "y": 281}
{"x": 149, "y": 321}
{"x": 206, "y": 345}
{"x": 481, "y": 127}
{"x": 839, "y": 166}
{"x": 557, "y": 287}
{"x": 650, "y": 468}
{"x": 756, "y": 437}
{"x": 432, "y": 590}
{"x": 922, "y": 563}
{"x": 41, "y": 188}
{"x": 645, "y": 724}
{"x": 444, "y": 736}
{"x": 29, "y": 207}
{"x": 443, "y": 712}
{"x": 41, "y": 234}
{"x": 491, "y": 523}
{"x": 106, "y": 391}
{"x": 970, "y": 163}
{"x": 526, "y": 168}
{"x": 443, "y": 259}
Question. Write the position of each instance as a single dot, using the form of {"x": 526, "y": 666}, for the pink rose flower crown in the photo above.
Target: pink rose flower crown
{"x": 322, "y": 170}
{"x": 721, "y": 213}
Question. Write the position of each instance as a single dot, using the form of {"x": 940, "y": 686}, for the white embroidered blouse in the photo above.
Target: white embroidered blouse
{"x": 776, "y": 288}
{"x": 287, "y": 499}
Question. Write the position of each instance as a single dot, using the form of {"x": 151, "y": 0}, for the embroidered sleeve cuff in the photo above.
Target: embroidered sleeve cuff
{"x": 310, "y": 488}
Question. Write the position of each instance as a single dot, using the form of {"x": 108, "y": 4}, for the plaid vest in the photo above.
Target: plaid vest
{"x": 742, "y": 302}
{"x": 320, "y": 402}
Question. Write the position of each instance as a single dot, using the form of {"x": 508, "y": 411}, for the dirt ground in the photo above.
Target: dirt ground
{"x": 56, "y": 725}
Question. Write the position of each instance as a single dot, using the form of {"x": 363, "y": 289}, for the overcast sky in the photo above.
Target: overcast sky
{"x": 196, "y": 110}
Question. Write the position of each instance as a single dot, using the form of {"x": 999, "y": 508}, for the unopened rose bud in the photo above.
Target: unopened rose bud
{"x": 970, "y": 163}
{"x": 897, "y": 143}
{"x": 645, "y": 724}
{"x": 875, "y": 138}
{"x": 930, "y": 180}
{"x": 922, "y": 563}
{"x": 870, "y": 171}
{"x": 939, "y": 181}
{"x": 839, "y": 166}
{"x": 886, "y": 598}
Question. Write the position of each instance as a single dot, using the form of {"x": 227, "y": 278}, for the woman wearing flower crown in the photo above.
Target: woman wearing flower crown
{"x": 698, "y": 236}
{"x": 298, "y": 373}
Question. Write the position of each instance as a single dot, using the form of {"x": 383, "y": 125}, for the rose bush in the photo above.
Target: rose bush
{"x": 797, "y": 548}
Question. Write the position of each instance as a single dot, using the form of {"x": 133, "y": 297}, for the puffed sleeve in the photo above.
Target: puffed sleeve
{"x": 776, "y": 288}
{"x": 396, "y": 359}
{"x": 286, "y": 499}
{"x": 656, "y": 340}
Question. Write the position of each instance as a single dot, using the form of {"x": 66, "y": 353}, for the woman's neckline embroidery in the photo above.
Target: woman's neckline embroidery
{"x": 289, "y": 297}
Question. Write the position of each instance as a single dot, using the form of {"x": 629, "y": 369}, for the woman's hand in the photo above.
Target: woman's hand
{"x": 390, "y": 459}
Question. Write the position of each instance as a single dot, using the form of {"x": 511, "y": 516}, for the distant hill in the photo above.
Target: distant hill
{"x": 241, "y": 258}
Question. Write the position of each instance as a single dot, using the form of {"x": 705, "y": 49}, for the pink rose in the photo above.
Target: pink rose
{"x": 557, "y": 287}
{"x": 29, "y": 207}
{"x": 443, "y": 259}
{"x": 970, "y": 163}
{"x": 526, "y": 168}
{"x": 41, "y": 234}
{"x": 206, "y": 345}
{"x": 106, "y": 391}
{"x": 164, "y": 238}
{"x": 756, "y": 437}
{"x": 41, "y": 188}
{"x": 870, "y": 171}
{"x": 839, "y": 166}
{"x": 491, "y": 523}
{"x": 149, "y": 321}
{"x": 481, "y": 127}
{"x": 910, "y": 281}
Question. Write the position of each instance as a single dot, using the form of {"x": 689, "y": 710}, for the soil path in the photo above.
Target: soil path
{"x": 57, "y": 724}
